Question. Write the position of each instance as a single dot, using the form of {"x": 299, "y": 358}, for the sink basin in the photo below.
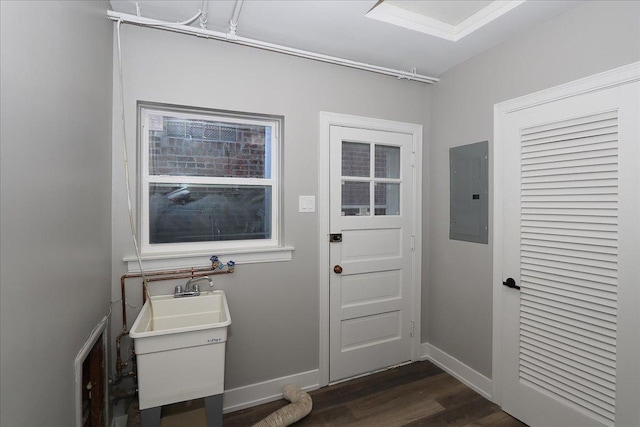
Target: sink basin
{"x": 178, "y": 315}
{"x": 180, "y": 347}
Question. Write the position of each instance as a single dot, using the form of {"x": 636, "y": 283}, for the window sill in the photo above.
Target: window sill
{"x": 240, "y": 256}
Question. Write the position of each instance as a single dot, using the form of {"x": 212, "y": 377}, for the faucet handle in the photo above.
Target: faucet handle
{"x": 196, "y": 287}
{"x": 177, "y": 290}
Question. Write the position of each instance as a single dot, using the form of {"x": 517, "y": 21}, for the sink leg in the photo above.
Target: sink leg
{"x": 151, "y": 417}
{"x": 213, "y": 407}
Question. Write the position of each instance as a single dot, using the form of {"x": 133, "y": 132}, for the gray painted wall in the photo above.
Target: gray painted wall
{"x": 55, "y": 201}
{"x": 274, "y": 306}
{"x": 592, "y": 38}
{"x": 56, "y": 113}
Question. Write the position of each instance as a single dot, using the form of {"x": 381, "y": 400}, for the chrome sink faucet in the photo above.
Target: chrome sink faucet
{"x": 191, "y": 288}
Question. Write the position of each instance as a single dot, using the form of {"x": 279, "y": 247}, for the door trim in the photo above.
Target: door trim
{"x": 326, "y": 120}
{"x": 608, "y": 79}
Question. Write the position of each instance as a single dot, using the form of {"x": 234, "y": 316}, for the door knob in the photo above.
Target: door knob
{"x": 510, "y": 283}
{"x": 337, "y": 269}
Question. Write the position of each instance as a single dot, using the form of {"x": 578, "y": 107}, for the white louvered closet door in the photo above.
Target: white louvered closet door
{"x": 571, "y": 194}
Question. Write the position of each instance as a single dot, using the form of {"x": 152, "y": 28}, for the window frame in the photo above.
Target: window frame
{"x": 145, "y": 179}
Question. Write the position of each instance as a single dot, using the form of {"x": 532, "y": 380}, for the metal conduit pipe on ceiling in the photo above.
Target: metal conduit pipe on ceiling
{"x": 233, "y": 22}
{"x": 202, "y": 14}
{"x": 217, "y": 35}
{"x": 204, "y": 10}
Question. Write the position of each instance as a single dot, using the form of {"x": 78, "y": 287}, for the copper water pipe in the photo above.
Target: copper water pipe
{"x": 156, "y": 276}
{"x": 189, "y": 276}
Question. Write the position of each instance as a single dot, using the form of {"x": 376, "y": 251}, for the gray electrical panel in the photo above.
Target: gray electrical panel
{"x": 469, "y": 197}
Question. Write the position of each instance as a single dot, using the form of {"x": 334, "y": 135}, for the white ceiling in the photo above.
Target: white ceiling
{"x": 339, "y": 27}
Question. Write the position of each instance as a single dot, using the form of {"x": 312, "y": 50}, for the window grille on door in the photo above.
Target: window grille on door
{"x": 569, "y": 258}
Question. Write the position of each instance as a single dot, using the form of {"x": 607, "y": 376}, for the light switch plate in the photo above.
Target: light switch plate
{"x": 307, "y": 203}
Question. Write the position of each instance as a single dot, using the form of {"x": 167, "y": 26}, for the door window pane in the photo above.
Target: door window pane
{"x": 356, "y": 159}
{"x": 200, "y": 213}
{"x": 387, "y": 198}
{"x": 387, "y": 161}
{"x": 355, "y": 198}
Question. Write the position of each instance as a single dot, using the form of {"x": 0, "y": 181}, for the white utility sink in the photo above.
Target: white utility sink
{"x": 180, "y": 347}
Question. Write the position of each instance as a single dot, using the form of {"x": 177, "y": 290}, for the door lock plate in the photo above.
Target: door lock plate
{"x": 335, "y": 238}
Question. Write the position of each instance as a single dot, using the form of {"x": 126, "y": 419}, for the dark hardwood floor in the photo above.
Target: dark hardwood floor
{"x": 418, "y": 394}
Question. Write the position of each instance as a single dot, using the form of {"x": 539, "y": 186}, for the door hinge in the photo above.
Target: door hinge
{"x": 413, "y": 242}
{"x": 413, "y": 159}
{"x": 413, "y": 327}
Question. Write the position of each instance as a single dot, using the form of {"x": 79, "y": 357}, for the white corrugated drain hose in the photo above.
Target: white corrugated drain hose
{"x": 299, "y": 408}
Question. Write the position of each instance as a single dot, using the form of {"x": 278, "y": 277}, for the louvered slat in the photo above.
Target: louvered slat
{"x": 561, "y": 284}
{"x": 575, "y": 191}
{"x": 575, "y": 394}
{"x": 572, "y": 122}
{"x": 583, "y": 319}
{"x": 593, "y": 363}
{"x": 557, "y": 163}
{"x": 568, "y": 238}
{"x": 552, "y": 304}
{"x": 604, "y": 250}
{"x": 584, "y": 267}
{"x": 592, "y": 386}
{"x": 598, "y": 127}
{"x": 579, "y": 347}
{"x": 596, "y": 258}
{"x": 606, "y": 148}
{"x": 572, "y": 179}
{"x": 567, "y": 331}
{"x": 559, "y": 319}
{"x": 581, "y": 138}
{"x": 568, "y": 258}
{"x": 595, "y": 183}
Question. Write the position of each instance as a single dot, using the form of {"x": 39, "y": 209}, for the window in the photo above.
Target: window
{"x": 209, "y": 180}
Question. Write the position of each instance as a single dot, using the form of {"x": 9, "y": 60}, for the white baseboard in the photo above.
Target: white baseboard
{"x": 459, "y": 370}
{"x": 268, "y": 391}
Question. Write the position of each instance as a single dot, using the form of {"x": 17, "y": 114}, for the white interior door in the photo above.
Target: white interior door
{"x": 370, "y": 286}
{"x": 570, "y": 334}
